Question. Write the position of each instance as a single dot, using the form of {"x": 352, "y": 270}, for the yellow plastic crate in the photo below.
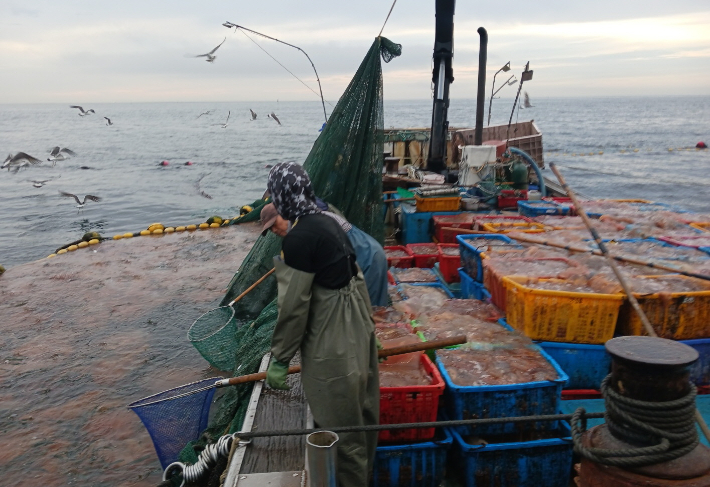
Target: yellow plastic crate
{"x": 631, "y": 201}
{"x": 676, "y": 316}
{"x": 560, "y": 316}
{"x": 704, "y": 226}
{"x": 505, "y": 227}
{"x": 448, "y": 203}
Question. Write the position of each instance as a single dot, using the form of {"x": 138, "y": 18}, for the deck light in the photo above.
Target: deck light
{"x": 505, "y": 68}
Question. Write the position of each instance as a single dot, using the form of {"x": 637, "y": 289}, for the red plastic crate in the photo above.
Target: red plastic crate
{"x": 390, "y": 278}
{"x": 412, "y": 404}
{"x": 462, "y": 220}
{"x": 449, "y": 264}
{"x": 508, "y": 198}
{"x": 580, "y": 394}
{"x": 449, "y": 236}
{"x": 482, "y": 219}
{"x": 424, "y": 260}
{"x": 401, "y": 262}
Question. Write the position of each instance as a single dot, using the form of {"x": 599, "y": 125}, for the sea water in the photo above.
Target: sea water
{"x": 629, "y": 139}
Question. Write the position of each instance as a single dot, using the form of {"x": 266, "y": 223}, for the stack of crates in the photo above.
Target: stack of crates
{"x": 509, "y": 454}
{"x": 463, "y": 221}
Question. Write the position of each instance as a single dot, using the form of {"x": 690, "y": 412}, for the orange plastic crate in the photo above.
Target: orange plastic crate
{"x": 676, "y": 316}
{"x": 560, "y": 316}
{"x": 448, "y": 203}
{"x": 525, "y": 227}
{"x": 704, "y": 226}
{"x": 483, "y": 219}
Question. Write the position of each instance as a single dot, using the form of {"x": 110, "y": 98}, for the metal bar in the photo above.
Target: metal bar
{"x": 433, "y": 424}
{"x": 322, "y": 100}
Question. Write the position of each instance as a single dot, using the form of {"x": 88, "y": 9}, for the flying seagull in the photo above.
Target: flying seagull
{"x": 273, "y": 115}
{"x": 39, "y": 184}
{"x": 19, "y": 160}
{"x": 526, "y": 102}
{"x": 210, "y": 55}
{"x": 82, "y": 112}
{"x": 82, "y": 202}
{"x": 227, "y": 121}
{"x": 58, "y": 154}
{"x": 204, "y": 113}
{"x": 108, "y": 121}
{"x": 253, "y": 115}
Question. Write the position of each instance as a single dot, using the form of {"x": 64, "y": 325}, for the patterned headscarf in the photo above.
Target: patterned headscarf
{"x": 291, "y": 191}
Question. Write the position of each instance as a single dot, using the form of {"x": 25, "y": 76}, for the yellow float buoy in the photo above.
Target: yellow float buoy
{"x": 191, "y": 227}
{"x": 225, "y": 222}
{"x": 128, "y": 235}
{"x": 204, "y": 225}
{"x": 179, "y": 229}
{"x": 214, "y": 225}
{"x": 157, "y": 231}
{"x": 72, "y": 248}
{"x": 145, "y": 232}
{"x": 601, "y": 152}
{"x": 169, "y": 230}
{"x": 156, "y": 226}
{"x": 117, "y": 237}
{"x": 94, "y": 241}
{"x": 61, "y": 251}
{"x": 81, "y": 245}
{"x": 51, "y": 255}
{"x": 636, "y": 150}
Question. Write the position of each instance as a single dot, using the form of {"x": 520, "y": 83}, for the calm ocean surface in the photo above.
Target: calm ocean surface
{"x": 634, "y": 134}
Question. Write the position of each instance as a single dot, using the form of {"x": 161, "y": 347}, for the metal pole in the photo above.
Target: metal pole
{"x": 481, "y": 96}
{"x": 322, "y": 100}
{"x": 320, "y": 459}
{"x": 490, "y": 102}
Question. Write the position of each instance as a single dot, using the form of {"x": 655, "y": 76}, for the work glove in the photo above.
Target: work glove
{"x": 276, "y": 375}
{"x": 380, "y": 347}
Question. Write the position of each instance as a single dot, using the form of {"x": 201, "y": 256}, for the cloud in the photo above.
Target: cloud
{"x": 126, "y": 52}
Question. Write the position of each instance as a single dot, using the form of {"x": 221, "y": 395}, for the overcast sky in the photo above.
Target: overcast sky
{"x": 79, "y": 51}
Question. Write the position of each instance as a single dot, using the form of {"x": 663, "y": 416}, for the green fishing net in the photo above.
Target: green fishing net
{"x": 345, "y": 166}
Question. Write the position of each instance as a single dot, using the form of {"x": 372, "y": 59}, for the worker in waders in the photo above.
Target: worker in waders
{"x": 324, "y": 310}
{"x": 369, "y": 254}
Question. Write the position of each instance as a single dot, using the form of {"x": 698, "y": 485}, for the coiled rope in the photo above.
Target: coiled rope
{"x": 668, "y": 426}
{"x": 208, "y": 459}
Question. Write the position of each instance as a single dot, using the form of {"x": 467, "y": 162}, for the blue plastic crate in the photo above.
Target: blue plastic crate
{"x": 538, "y": 208}
{"x": 471, "y": 255}
{"x": 586, "y": 365}
{"x": 526, "y": 399}
{"x": 701, "y": 255}
{"x": 417, "y": 226}
{"x": 539, "y": 463}
{"x": 428, "y": 284}
{"x": 700, "y": 370}
{"x": 471, "y": 289}
{"x": 453, "y": 287}
{"x": 417, "y": 464}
